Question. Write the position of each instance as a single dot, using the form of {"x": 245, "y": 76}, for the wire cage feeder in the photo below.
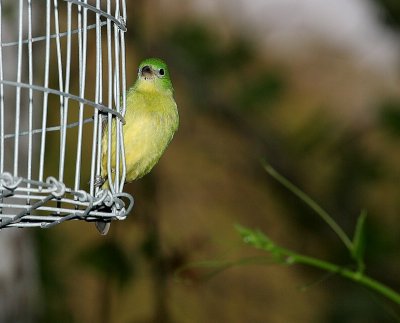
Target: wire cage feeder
{"x": 62, "y": 80}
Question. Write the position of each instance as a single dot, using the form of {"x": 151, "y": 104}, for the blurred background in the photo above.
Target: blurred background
{"x": 312, "y": 87}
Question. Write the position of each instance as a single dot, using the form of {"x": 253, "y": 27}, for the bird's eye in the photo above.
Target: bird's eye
{"x": 161, "y": 71}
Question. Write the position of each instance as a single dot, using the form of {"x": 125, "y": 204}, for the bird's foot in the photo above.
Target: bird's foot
{"x": 99, "y": 181}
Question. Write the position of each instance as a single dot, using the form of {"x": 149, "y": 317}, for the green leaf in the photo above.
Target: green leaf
{"x": 359, "y": 239}
{"x": 254, "y": 238}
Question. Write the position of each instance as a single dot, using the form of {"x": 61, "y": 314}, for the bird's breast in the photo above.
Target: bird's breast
{"x": 151, "y": 121}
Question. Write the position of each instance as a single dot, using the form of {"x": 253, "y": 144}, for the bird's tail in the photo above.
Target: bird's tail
{"x": 103, "y": 227}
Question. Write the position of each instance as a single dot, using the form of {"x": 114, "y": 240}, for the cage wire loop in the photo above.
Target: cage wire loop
{"x": 52, "y": 116}
{"x": 58, "y": 188}
{"x": 9, "y": 182}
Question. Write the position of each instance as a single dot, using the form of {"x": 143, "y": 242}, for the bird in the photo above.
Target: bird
{"x": 151, "y": 120}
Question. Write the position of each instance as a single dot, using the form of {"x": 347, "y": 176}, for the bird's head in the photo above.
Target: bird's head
{"x": 153, "y": 73}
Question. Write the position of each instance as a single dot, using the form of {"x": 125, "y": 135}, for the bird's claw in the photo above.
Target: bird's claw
{"x": 99, "y": 181}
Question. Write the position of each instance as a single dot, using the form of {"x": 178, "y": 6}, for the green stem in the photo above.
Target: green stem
{"x": 311, "y": 203}
{"x": 259, "y": 240}
{"x": 356, "y": 276}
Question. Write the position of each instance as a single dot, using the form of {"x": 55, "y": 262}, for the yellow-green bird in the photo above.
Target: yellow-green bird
{"x": 151, "y": 121}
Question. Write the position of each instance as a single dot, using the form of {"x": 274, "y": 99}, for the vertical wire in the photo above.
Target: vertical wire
{"x": 82, "y": 80}
{"x": 30, "y": 108}
{"x": 96, "y": 140}
{"x": 117, "y": 98}
{"x": 45, "y": 94}
{"x": 1, "y": 93}
{"x": 79, "y": 64}
{"x": 18, "y": 90}
{"x": 123, "y": 101}
{"x": 64, "y": 118}
{"x": 1, "y": 100}
{"x": 60, "y": 86}
{"x": 124, "y": 11}
{"x": 101, "y": 121}
{"x": 79, "y": 43}
{"x": 110, "y": 97}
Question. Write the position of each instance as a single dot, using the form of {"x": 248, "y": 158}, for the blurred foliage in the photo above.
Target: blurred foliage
{"x": 206, "y": 53}
{"x": 109, "y": 261}
{"x": 260, "y": 93}
{"x": 354, "y": 304}
{"x": 391, "y": 12}
{"x": 53, "y": 286}
{"x": 389, "y": 116}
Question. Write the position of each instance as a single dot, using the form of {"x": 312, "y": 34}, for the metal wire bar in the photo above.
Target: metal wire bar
{"x": 63, "y": 139}
{"x": 54, "y": 210}
{"x": 53, "y": 36}
{"x": 117, "y": 98}
{"x": 51, "y": 186}
{"x": 18, "y": 90}
{"x": 1, "y": 96}
{"x": 60, "y": 86}
{"x": 123, "y": 101}
{"x": 48, "y": 129}
{"x": 40, "y": 197}
{"x": 82, "y": 82}
{"x": 45, "y": 93}
{"x": 47, "y": 90}
{"x": 30, "y": 109}
{"x": 97, "y": 95}
{"x": 107, "y": 15}
{"x": 110, "y": 97}
{"x": 16, "y": 218}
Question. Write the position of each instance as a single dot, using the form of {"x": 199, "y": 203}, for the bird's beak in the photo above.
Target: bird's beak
{"x": 147, "y": 72}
